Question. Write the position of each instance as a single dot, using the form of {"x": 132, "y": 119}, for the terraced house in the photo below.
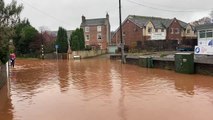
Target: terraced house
{"x": 137, "y": 29}
{"x": 96, "y": 32}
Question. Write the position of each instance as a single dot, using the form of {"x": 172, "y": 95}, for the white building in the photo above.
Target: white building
{"x": 205, "y": 39}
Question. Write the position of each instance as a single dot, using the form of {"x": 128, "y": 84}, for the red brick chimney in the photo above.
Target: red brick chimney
{"x": 83, "y": 18}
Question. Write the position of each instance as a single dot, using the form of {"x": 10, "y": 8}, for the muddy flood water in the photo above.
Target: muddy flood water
{"x": 100, "y": 89}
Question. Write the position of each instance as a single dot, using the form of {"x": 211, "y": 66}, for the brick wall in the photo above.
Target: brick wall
{"x": 131, "y": 34}
{"x": 93, "y": 36}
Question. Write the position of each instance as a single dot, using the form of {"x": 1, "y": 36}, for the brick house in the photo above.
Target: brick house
{"x": 96, "y": 32}
{"x": 137, "y": 29}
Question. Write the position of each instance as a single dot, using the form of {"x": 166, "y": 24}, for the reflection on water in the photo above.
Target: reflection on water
{"x": 100, "y": 89}
{"x": 6, "y": 107}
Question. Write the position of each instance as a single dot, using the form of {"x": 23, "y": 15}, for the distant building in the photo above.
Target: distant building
{"x": 137, "y": 29}
{"x": 205, "y": 39}
{"x": 96, "y": 32}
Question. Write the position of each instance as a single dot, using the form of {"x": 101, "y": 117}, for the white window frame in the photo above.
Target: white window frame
{"x": 99, "y": 28}
{"x": 149, "y": 30}
{"x": 188, "y": 31}
{"x": 208, "y": 32}
{"x": 87, "y": 37}
{"x": 99, "y": 35}
{"x": 202, "y": 33}
{"x": 162, "y": 30}
{"x": 171, "y": 30}
{"x": 87, "y": 29}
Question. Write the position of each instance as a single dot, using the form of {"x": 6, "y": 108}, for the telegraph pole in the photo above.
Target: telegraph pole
{"x": 123, "y": 59}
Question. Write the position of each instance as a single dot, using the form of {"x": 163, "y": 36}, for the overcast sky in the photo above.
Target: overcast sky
{"x": 67, "y": 13}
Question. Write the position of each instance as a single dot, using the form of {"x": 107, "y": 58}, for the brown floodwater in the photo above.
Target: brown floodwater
{"x": 100, "y": 89}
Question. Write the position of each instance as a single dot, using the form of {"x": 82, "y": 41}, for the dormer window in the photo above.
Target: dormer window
{"x": 171, "y": 31}
{"x": 162, "y": 30}
{"x": 149, "y": 30}
{"x": 177, "y": 31}
{"x": 188, "y": 31}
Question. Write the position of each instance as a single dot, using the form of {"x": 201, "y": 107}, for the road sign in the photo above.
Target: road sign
{"x": 56, "y": 46}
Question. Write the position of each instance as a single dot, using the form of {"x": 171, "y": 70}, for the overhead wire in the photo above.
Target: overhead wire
{"x": 164, "y": 9}
{"x": 45, "y": 13}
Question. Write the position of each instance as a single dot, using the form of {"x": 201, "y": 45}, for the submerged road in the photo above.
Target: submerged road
{"x": 100, "y": 89}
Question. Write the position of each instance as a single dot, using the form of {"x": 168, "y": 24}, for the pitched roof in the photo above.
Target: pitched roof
{"x": 158, "y": 22}
{"x": 205, "y": 26}
{"x": 90, "y": 22}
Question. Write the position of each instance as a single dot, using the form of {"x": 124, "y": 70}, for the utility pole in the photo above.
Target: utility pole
{"x": 123, "y": 59}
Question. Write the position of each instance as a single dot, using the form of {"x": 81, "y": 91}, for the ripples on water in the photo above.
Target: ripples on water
{"x": 103, "y": 90}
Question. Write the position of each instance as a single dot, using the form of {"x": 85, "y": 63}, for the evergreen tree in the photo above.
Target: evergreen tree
{"x": 61, "y": 40}
{"x": 28, "y": 35}
{"x": 77, "y": 40}
{"x": 9, "y": 16}
{"x": 25, "y": 38}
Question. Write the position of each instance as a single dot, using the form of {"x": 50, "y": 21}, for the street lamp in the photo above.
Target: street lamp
{"x": 123, "y": 59}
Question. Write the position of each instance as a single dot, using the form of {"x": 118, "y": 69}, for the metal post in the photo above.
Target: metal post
{"x": 123, "y": 59}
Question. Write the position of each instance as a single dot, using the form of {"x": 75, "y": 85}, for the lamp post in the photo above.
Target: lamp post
{"x": 123, "y": 59}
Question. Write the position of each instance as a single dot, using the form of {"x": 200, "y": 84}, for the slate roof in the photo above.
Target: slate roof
{"x": 158, "y": 22}
{"x": 91, "y": 22}
{"x": 205, "y": 26}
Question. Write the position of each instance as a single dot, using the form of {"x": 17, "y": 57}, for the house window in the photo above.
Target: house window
{"x": 188, "y": 31}
{"x": 87, "y": 37}
{"x": 171, "y": 31}
{"x": 149, "y": 30}
{"x": 156, "y": 30}
{"x": 209, "y": 33}
{"x": 124, "y": 34}
{"x": 177, "y": 31}
{"x": 99, "y": 36}
{"x": 99, "y": 28}
{"x": 202, "y": 34}
{"x": 86, "y": 29}
{"x": 162, "y": 30}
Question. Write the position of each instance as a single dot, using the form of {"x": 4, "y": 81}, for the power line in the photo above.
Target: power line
{"x": 162, "y": 9}
{"x": 45, "y": 13}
